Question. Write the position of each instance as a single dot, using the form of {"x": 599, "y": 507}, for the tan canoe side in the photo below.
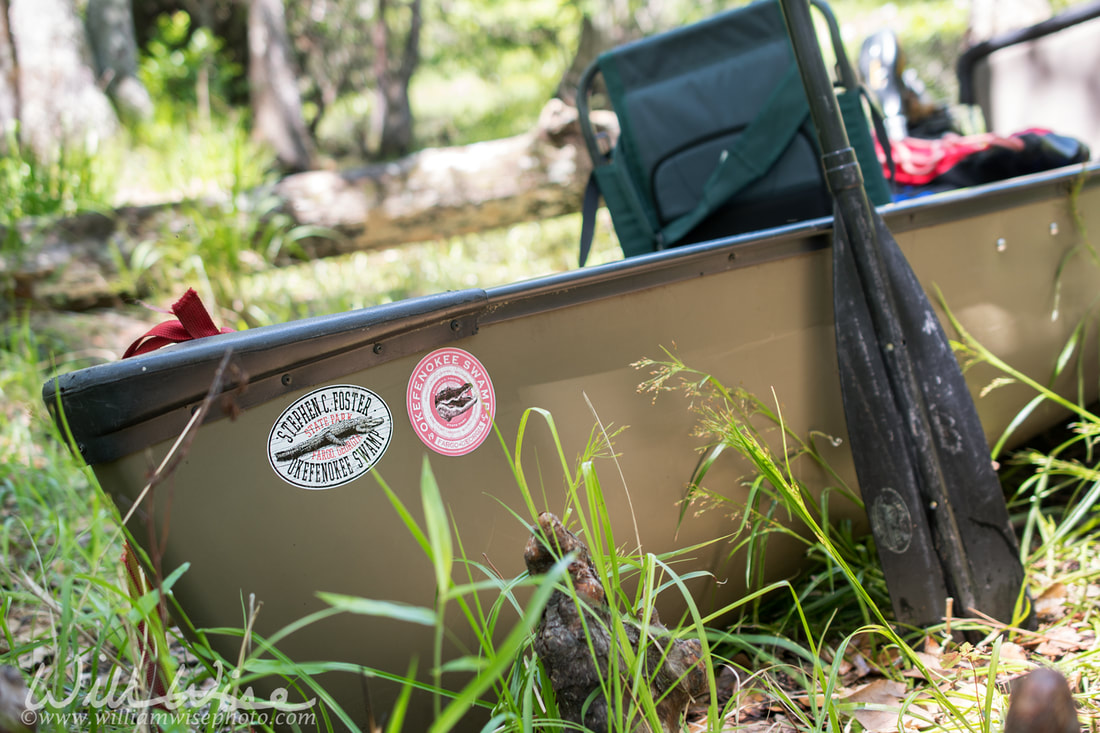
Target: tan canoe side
{"x": 764, "y": 326}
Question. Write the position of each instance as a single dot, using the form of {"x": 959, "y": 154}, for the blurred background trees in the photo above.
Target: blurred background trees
{"x": 328, "y": 76}
{"x": 49, "y": 83}
{"x": 332, "y": 82}
{"x": 198, "y": 110}
{"x": 111, "y": 34}
{"x": 273, "y": 84}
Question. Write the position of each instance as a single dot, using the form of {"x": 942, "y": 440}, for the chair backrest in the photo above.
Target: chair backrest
{"x": 715, "y": 136}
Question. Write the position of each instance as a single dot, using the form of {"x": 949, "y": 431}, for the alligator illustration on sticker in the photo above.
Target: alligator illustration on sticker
{"x": 334, "y": 435}
{"x": 451, "y": 401}
{"x": 329, "y": 437}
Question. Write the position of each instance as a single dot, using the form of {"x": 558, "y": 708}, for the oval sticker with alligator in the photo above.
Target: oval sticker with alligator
{"x": 451, "y": 401}
{"x": 330, "y": 436}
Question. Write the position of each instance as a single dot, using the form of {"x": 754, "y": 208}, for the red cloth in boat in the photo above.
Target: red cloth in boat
{"x": 918, "y": 161}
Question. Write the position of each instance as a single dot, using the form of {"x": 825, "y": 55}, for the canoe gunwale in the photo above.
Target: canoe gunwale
{"x": 109, "y": 421}
{"x": 575, "y": 287}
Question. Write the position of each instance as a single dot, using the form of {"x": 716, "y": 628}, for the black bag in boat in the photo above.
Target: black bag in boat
{"x": 1037, "y": 150}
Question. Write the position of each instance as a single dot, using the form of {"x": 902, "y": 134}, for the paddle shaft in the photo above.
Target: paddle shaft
{"x": 845, "y": 182}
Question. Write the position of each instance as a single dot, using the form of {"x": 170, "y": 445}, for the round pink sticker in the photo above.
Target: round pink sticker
{"x": 451, "y": 401}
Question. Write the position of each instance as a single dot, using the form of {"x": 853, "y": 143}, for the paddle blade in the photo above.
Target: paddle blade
{"x": 880, "y": 449}
{"x": 935, "y": 504}
{"x": 958, "y": 441}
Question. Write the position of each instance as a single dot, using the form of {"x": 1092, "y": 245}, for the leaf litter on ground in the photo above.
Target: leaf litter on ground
{"x": 890, "y": 694}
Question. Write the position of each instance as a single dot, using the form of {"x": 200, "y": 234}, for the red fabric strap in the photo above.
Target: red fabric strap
{"x": 192, "y": 322}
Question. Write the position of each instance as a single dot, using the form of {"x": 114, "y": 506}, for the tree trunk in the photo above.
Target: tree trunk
{"x": 391, "y": 117}
{"x": 612, "y": 24}
{"x": 276, "y": 103}
{"x": 435, "y": 193}
{"x": 110, "y": 25}
{"x": 589, "y": 47}
{"x": 9, "y": 75}
{"x": 59, "y": 101}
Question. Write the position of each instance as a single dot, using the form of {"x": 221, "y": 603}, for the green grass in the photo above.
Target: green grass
{"x": 177, "y": 156}
{"x": 468, "y": 108}
{"x": 840, "y": 599}
{"x": 794, "y": 646}
{"x": 34, "y": 184}
{"x": 67, "y": 608}
{"x": 479, "y": 260}
{"x": 55, "y": 530}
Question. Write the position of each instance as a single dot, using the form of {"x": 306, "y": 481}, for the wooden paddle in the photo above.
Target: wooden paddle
{"x": 934, "y": 501}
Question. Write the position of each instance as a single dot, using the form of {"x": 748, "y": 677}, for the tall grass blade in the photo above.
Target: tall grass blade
{"x": 381, "y": 609}
{"x": 437, "y": 528}
{"x": 506, "y": 653}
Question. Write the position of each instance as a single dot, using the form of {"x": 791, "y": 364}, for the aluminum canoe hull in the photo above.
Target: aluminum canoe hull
{"x": 756, "y": 311}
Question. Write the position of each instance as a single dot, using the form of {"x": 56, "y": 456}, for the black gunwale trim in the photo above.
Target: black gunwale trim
{"x": 102, "y": 404}
{"x": 623, "y": 276}
{"x": 108, "y": 419}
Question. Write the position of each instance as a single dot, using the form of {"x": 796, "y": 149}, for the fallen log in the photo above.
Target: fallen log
{"x": 87, "y": 260}
{"x": 83, "y": 261}
{"x": 443, "y": 192}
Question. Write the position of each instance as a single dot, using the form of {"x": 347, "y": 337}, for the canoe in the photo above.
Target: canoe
{"x": 281, "y": 500}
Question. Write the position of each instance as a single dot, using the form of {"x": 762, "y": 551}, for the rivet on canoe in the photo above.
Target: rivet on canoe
{"x": 1001, "y": 244}
{"x": 286, "y": 380}
{"x": 378, "y": 348}
{"x": 733, "y": 256}
{"x": 455, "y": 325}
